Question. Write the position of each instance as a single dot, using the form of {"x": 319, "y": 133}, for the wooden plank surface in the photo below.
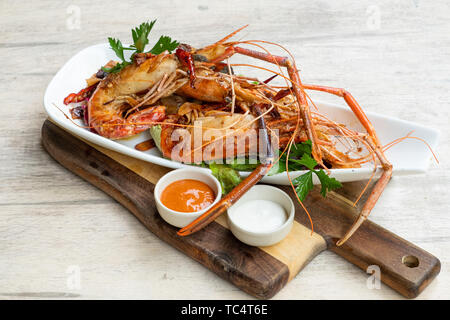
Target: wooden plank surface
{"x": 259, "y": 271}
{"x": 398, "y": 67}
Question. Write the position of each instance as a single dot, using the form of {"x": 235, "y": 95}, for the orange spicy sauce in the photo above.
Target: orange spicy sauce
{"x": 187, "y": 195}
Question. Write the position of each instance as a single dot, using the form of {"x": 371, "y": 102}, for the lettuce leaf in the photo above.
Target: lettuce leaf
{"x": 155, "y": 132}
{"x": 227, "y": 176}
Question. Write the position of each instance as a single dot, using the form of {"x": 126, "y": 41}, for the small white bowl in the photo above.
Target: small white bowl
{"x": 182, "y": 219}
{"x": 266, "y": 238}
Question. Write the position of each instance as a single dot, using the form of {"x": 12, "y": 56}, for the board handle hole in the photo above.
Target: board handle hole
{"x": 410, "y": 261}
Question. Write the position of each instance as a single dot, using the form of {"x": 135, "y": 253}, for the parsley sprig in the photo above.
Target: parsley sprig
{"x": 140, "y": 35}
{"x": 140, "y": 40}
{"x": 300, "y": 158}
{"x": 164, "y": 43}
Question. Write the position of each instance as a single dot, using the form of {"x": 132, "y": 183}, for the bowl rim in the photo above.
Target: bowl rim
{"x": 178, "y": 172}
{"x": 289, "y": 219}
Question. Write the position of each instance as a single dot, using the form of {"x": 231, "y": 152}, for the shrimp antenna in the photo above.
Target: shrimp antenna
{"x": 227, "y": 37}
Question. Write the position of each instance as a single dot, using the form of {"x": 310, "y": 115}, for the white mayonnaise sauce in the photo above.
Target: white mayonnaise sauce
{"x": 259, "y": 215}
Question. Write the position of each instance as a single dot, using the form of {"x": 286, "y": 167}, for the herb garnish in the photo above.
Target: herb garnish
{"x": 164, "y": 43}
{"x": 300, "y": 158}
{"x": 140, "y": 40}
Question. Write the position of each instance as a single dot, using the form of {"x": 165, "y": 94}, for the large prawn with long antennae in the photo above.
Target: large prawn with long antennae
{"x": 195, "y": 86}
{"x": 109, "y": 107}
{"x": 222, "y": 51}
{"x": 115, "y": 105}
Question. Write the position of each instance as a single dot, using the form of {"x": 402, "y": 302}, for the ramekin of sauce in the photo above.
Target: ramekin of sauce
{"x": 262, "y": 217}
{"x": 183, "y": 195}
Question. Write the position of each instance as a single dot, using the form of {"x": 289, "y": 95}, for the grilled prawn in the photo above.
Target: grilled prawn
{"x": 117, "y": 94}
{"x": 197, "y": 86}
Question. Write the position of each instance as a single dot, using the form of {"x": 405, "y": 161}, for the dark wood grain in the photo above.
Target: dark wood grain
{"x": 371, "y": 245}
{"x": 250, "y": 268}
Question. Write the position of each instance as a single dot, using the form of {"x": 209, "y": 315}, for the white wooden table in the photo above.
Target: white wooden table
{"x": 62, "y": 238}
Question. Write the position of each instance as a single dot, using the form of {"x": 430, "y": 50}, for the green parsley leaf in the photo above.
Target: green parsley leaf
{"x": 328, "y": 184}
{"x": 295, "y": 159}
{"x": 278, "y": 167}
{"x": 299, "y": 158}
{"x": 307, "y": 161}
{"x": 117, "y": 47}
{"x": 140, "y": 35}
{"x": 140, "y": 40}
{"x": 164, "y": 43}
{"x": 301, "y": 148}
{"x": 303, "y": 185}
{"x": 117, "y": 67}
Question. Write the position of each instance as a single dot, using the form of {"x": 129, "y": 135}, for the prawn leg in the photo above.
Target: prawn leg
{"x": 374, "y": 143}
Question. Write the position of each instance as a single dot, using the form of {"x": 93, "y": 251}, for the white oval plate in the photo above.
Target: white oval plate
{"x": 408, "y": 157}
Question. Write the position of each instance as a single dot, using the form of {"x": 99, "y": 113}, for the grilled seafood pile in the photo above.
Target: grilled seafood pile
{"x": 206, "y": 112}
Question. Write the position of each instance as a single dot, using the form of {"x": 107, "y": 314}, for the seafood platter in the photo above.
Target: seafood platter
{"x": 265, "y": 176}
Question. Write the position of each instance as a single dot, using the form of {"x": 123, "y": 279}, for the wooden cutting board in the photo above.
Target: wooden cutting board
{"x": 259, "y": 271}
